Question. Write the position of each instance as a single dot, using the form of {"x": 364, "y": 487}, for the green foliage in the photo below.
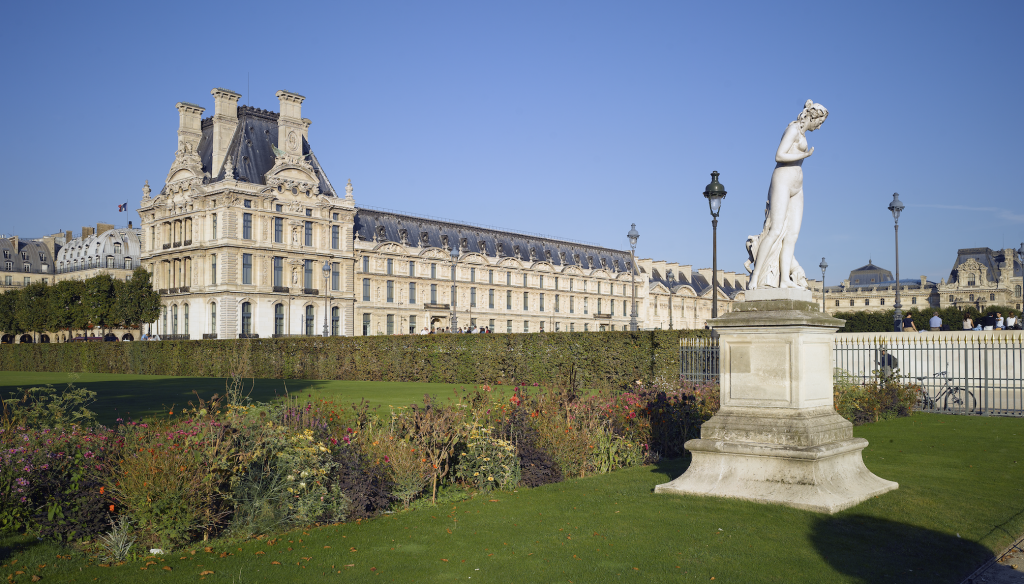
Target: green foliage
{"x": 66, "y": 308}
{"x": 885, "y": 397}
{"x": 44, "y": 407}
{"x": 8, "y": 316}
{"x": 135, "y": 300}
{"x": 599, "y": 360}
{"x": 488, "y": 462}
{"x": 882, "y": 320}
{"x": 32, "y": 307}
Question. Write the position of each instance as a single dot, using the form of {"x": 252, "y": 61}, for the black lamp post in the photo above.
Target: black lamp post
{"x": 714, "y": 193}
{"x": 823, "y": 265}
{"x": 896, "y": 206}
{"x": 633, "y": 236}
{"x": 327, "y": 299}
{"x": 455, "y": 288}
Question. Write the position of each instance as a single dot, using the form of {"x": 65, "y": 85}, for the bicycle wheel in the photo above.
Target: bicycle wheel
{"x": 960, "y": 400}
{"x": 924, "y": 402}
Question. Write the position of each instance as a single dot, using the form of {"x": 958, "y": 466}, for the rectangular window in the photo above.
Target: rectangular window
{"x": 309, "y": 212}
{"x": 110, "y": 263}
{"x": 524, "y": 280}
{"x": 47, "y": 281}
{"x": 391, "y": 266}
{"x": 247, "y": 204}
{"x": 433, "y": 293}
{"x": 472, "y": 274}
{"x": 278, "y": 271}
{"x": 412, "y": 324}
{"x": 412, "y": 292}
{"x": 391, "y": 290}
{"x": 508, "y": 301}
{"x": 247, "y": 268}
{"x": 556, "y": 287}
{"x": 584, "y": 289}
{"x": 586, "y": 327}
{"x": 213, "y": 269}
{"x": 490, "y": 325}
{"x": 572, "y": 326}
{"x": 366, "y": 324}
{"x": 490, "y": 276}
{"x": 508, "y": 281}
{"x": 598, "y": 287}
{"x": 334, "y": 216}
{"x": 28, "y": 280}
{"x": 279, "y": 208}
{"x": 335, "y": 275}
{"x": 433, "y": 271}
{"x": 611, "y": 307}
{"x": 307, "y": 274}
{"x": 540, "y": 281}
{"x": 526, "y": 326}
{"x": 366, "y": 289}
{"x": 557, "y": 307}
{"x": 572, "y": 304}
{"x": 213, "y": 318}
{"x": 542, "y": 302}
{"x": 571, "y": 282}
{"x": 490, "y": 298}
{"x": 246, "y": 225}
{"x": 278, "y": 229}
{"x": 279, "y": 319}
{"x": 542, "y": 326}
{"x": 309, "y": 234}
{"x": 366, "y": 264}
{"x": 509, "y": 325}
{"x": 391, "y": 324}
{"x": 472, "y": 297}
{"x": 453, "y": 272}
{"x": 599, "y": 306}
{"x": 412, "y": 269}
{"x": 526, "y": 301}
{"x": 334, "y": 237}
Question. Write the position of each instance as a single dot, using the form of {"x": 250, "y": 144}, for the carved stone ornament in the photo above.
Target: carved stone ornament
{"x": 403, "y": 236}
{"x": 229, "y": 169}
{"x": 348, "y": 189}
{"x": 425, "y": 238}
{"x": 145, "y": 192}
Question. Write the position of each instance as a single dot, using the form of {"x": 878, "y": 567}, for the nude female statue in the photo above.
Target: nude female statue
{"x": 771, "y": 262}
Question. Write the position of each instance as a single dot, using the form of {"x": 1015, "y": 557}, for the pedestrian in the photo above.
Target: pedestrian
{"x": 1011, "y": 321}
{"x": 886, "y": 363}
{"x": 935, "y": 322}
{"x": 425, "y": 330}
{"x": 990, "y": 322}
{"x": 968, "y": 323}
{"x": 999, "y": 321}
{"x": 908, "y": 324}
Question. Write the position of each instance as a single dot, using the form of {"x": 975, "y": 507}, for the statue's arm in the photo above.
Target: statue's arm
{"x": 786, "y": 151}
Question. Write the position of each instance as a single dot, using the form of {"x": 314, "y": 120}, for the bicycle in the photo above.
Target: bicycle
{"x": 959, "y": 398}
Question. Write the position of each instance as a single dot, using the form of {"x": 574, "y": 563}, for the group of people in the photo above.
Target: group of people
{"x": 991, "y": 321}
{"x": 473, "y": 330}
{"x": 150, "y": 337}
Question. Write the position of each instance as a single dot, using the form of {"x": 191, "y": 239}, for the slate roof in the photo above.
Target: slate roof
{"x": 251, "y": 149}
{"x": 75, "y": 254}
{"x": 36, "y": 253}
{"x": 993, "y": 260}
{"x": 863, "y": 276}
{"x": 412, "y": 230}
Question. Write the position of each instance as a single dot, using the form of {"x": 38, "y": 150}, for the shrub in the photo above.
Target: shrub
{"x": 488, "y": 462}
{"x": 43, "y": 407}
{"x": 884, "y": 397}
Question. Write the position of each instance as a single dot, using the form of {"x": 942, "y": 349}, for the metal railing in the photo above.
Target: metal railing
{"x": 982, "y": 374}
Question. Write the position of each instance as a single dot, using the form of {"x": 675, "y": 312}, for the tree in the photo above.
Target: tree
{"x": 99, "y": 301}
{"x": 32, "y": 308}
{"x": 8, "y": 317}
{"x": 137, "y": 302}
{"x": 66, "y": 307}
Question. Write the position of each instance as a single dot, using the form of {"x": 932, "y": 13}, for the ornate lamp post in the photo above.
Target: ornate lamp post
{"x": 896, "y": 206}
{"x": 714, "y": 193}
{"x": 823, "y": 265}
{"x": 633, "y": 236}
{"x": 327, "y": 299}
{"x": 455, "y": 288}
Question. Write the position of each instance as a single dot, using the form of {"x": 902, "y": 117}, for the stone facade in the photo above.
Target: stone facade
{"x": 981, "y": 277}
{"x": 107, "y": 250}
{"x": 869, "y": 288}
{"x": 27, "y": 261}
{"x": 238, "y": 237}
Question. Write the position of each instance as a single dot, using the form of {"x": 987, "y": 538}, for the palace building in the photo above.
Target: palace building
{"x": 248, "y": 237}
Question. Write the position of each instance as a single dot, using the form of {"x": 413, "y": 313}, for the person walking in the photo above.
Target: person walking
{"x": 935, "y": 322}
{"x": 908, "y": 324}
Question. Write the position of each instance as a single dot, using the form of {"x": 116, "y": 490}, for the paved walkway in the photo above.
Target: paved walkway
{"x": 1008, "y": 569}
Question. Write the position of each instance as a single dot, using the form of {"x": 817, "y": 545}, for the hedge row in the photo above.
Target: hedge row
{"x": 600, "y": 360}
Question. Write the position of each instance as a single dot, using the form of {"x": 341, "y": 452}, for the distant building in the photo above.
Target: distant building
{"x": 107, "y": 250}
{"x": 982, "y": 276}
{"x": 870, "y": 288}
{"x": 27, "y": 261}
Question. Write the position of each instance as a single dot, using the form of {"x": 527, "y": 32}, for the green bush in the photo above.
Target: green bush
{"x": 600, "y": 360}
{"x": 883, "y": 398}
{"x": 488, "y": 461}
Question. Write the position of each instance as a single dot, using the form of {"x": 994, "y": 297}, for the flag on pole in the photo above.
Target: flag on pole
{"x": 122, "y": 208}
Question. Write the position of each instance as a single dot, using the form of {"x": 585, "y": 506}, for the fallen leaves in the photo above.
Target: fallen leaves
{"x": 206, "y": 572}
{"x": 275, "y": 563}
{"x": 168, "y": 568}
{"x": 36, "y": 577}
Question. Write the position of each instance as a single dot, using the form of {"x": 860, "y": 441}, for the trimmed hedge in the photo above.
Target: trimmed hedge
{"x": 600, "y": 360}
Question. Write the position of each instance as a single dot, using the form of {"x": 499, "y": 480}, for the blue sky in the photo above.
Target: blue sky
{"x": 573, "y": 119}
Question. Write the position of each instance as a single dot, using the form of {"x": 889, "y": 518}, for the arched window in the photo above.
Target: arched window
{"x": 310, "y": 320}
{"x": 184, "y": 315}
{"x": 882, "y": 302}
{"x": 174, "y": 319}
{"x": 117, "y": 248}
{"x": 127, "y": 263}
{"x": 246, "y": 318}
{"x": 335, "y": 320}
{"x": 278, "y": 319}
{"x": 213, "y": 318}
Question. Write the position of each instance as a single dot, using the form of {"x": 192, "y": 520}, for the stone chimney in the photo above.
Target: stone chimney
{"x": 706, "y": 272}
{"x": 290, "y": 127}
{"x": 14, "y": 240}
{"x": 103, "y": 228}
{"x": 305, "y": 127}
{"x": 225, "y": 120}
{"x": 68, "y": 236}
{"x": 190, "y": 118}
{"x": 87, "y": 231}
{"x": 129, "y": 225}
{"x": 685, "y": 272}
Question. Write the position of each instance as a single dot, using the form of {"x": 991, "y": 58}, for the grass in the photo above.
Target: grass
{"x": 961, "y": 498}
{"x": 141, "y": 396}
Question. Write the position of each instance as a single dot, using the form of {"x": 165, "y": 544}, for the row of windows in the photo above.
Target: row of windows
{"x": 279, "y": 230}
{"x": 390, "y": 325}
{"x": 9, "y": 281}
{"x": 87, "y": 263}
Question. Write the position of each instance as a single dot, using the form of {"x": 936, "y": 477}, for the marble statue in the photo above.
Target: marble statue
{"x": 771, "y": 263}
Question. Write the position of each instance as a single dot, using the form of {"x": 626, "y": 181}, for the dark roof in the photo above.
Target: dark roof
{"x": 870, "y": 275}
{"x": 372, "y": 225}
{"x": 251, "y": 149}
{"x": 32, "y": 249}
{"x": 993, "y": 260}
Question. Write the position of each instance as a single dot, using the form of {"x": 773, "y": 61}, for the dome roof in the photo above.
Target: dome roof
{"x": 89, "y": 252}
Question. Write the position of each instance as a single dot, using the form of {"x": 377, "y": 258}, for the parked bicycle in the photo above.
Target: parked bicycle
{"x": 959, "y": 399}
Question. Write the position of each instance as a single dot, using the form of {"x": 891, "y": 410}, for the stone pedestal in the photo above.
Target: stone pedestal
{"x": 777, "y": 437}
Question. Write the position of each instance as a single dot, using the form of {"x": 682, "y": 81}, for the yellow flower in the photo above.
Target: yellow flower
{"x": 490, "y": 478}
{"x": 476, "y": 474}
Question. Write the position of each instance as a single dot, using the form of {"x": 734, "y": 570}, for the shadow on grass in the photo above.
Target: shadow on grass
{"x": 878, "y": 550}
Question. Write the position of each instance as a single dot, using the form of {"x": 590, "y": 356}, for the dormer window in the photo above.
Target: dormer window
{"x": 971, "y": 280}
{"x": 28, "y": 268}
{"x": 248, "y": 204}
{"x": 24, "y": 255}
{"x": 117, "y": 248}
{"x": 7, "y": 254}
{"x": 42, "y": 268}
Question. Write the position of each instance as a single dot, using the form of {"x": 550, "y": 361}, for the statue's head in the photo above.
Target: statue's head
{"x": 813, "y": 116}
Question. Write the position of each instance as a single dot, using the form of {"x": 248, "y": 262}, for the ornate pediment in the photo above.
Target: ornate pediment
{"x": 510, "y": 263}
{"x": 473, "y": 258}
{"x": 543, "y": 267}
{"x": 292, "y": 173}
{"x": 573, "y": 271}
{"x": 434, "y": 253}
{"x": 389, "y": 248}
{"x": 187, "y": 169}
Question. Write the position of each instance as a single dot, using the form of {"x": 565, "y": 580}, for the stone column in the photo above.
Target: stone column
{"x": 777, "y": 437}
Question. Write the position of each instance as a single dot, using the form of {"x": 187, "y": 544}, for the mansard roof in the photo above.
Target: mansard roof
{"x": 375, "y": 225}
{"x": 73, "y": 254}
{"x": 251, "y": 149}
{"x": 993, "y": 260}
{"x": 870, "y": 275}
{"x": 36, "y": 255}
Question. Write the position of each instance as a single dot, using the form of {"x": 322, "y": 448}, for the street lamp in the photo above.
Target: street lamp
{"x": 327, "y": 299}
{"x": 714, "y": 193}
{"x": 455, "y": 287}
{"x": 633, "y": 235}
{"x": 896, "y": 206}
{"x": 823, "y": 265}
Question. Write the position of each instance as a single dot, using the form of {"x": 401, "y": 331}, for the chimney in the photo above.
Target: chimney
{"x": 129, "y": 225}
{"x": 685, "y": 272}
{"x": 14, "y": 240}
{"x": 190, "y": 118}
{"x": 68, "y": 236}
{"x": 86, "y": 232}
{"x": 305, "y": 128}
{"x": 102, "y": 228}
{"x": 225, "y": 120}
{"x": 290, "y": 127}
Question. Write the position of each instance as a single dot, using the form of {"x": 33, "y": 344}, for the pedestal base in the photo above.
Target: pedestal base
{"x": 825, "y": 478}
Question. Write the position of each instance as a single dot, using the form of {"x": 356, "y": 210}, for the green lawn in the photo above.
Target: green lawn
{"x": 138, "y": 396}
{"x": 961, "y": 498}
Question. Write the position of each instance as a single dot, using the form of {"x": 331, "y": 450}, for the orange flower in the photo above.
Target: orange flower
{"x": 101, "y": 490}
{"x": 111, "y": 508}
{"x": 170, "y": 413}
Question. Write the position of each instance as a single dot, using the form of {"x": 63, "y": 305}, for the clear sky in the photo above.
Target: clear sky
{"x": 573, "y": 119}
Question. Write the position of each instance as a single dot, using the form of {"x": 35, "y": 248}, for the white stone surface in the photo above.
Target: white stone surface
{"x": 779, "y": 294}
{"x": 771, "y": 263}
